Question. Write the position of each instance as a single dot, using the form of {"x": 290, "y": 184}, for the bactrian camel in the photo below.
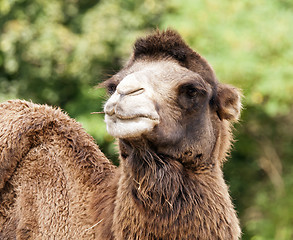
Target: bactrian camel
{"x": 172, "y": 119}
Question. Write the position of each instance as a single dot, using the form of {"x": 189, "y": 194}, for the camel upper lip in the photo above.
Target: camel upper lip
{"x": 134, "y": 116}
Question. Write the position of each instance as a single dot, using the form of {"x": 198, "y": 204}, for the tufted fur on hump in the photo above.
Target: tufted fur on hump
{"x": 169, "y": 44}
{"x": 49, "y": 169}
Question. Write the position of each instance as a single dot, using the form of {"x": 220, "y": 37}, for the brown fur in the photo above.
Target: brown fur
{"x": 169, "y": 184}
{"x": 169, "y": 44}
{"x": 49, "y": 168}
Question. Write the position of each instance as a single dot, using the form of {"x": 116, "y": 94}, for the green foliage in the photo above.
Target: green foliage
{"x": 55, "y": 52}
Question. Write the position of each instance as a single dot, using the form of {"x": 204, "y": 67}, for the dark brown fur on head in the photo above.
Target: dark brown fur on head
{"x": 169, "y": 44}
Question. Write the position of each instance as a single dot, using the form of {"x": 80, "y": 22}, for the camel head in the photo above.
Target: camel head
{"x": 167, "y": 96}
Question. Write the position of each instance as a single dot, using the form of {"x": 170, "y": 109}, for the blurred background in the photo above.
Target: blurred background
{"x": 56, "y": 52}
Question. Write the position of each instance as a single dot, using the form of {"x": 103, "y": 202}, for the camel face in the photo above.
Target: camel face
{"x": 168, "y": 97}
{"x": 131, "y": 111}
{"x": 154, "y": 100}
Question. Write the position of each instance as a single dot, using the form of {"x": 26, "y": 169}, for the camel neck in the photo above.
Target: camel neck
{"x": 161, "y": 196}
{"x": 158, "y": 182}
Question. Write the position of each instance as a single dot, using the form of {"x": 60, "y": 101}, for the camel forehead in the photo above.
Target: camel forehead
{"x": 159, "y": 66}
{"x": 158, "y": 71}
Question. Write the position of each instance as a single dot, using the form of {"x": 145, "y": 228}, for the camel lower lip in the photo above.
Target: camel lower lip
{"x": 129, "y": 127}
{"x": 134, "y": 117}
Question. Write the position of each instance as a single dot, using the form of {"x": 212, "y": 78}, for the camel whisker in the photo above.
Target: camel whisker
{"x": 94, "y": 225}
{"x": 98, "y": 112}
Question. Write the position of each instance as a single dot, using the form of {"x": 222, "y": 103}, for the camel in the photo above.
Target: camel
{"x": 172, "y": 119}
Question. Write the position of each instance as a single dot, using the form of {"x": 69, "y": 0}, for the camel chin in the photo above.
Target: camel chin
{"x": 129, "y": 128}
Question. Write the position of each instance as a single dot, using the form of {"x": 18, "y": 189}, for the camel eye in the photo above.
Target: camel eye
{"x": 189, "y": 90}
{"x": 191, "y": 95}
{"x": 111, "y": 88}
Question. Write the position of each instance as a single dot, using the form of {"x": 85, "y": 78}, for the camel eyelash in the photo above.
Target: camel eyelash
{"x": 191, "y": 89}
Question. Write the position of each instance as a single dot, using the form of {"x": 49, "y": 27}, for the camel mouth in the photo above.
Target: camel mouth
{"x": 129, "y": 126}
{"x": 126, "y": 116}
{"x": 131, "y": 118}
{"x": 136, "y": 116}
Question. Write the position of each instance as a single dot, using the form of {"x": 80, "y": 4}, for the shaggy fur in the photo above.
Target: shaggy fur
{"x": 49, "y": 168}
{"x": 55, "y": 182}
{"x": 162, "y": 45}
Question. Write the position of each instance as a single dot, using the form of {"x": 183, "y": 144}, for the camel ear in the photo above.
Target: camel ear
{"x": 229, "y": 102}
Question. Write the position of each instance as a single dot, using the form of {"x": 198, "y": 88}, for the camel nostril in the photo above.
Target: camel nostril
{"x": 137, "y": 92}
{"x": 131, "y": 92}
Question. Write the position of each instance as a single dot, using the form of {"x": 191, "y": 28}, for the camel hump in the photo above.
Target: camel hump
{"x": 46, "y": 159}
{"x": 25, "y": 125}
